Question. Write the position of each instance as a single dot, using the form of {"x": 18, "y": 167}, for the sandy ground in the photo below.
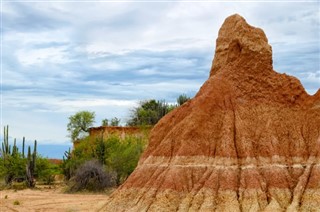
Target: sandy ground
{"x": 53, "y": 199}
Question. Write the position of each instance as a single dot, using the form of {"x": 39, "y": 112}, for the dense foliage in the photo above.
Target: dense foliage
{"x": 117, "y": 155}
{"x": 149, "y": 112}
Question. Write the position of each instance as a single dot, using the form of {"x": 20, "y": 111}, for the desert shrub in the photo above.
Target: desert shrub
{"x": 92, "y": 177}
{"x": 18, "y": 185}
{"x": 16, "y": 202}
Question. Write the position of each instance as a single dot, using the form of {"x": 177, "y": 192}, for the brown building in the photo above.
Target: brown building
{"x": 122, "y": 132}
{"x": 106, "y": 131}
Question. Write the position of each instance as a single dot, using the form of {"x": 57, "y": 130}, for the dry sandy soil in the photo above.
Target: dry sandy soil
{"x": 53, "y": 199}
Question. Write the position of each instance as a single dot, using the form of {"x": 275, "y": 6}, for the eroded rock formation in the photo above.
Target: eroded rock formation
{"x": 248, "y": 141}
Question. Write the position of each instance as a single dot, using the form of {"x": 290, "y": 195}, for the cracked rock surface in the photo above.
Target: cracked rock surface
{"x": 248, "y": 141}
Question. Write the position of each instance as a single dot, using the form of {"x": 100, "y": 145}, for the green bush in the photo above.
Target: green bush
{"x": 45, "y": 171}
{"x": 117, "y": 155}
{"x": 11, "y": 167}
{"x": 123, "y": 156}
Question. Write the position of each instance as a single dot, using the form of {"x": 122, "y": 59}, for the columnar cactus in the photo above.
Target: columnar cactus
{"x": 30, "y": 166}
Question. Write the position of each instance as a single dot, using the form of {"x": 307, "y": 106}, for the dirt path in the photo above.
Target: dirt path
{"x": 46, "y": 199}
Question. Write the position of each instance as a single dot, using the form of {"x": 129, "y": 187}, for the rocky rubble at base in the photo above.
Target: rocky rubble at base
{"x": 248, "y": 141}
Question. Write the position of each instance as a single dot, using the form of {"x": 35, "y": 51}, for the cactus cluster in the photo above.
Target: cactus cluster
{"x": 67, "y": 155}
{"x": 9, "y": 152}
{"x": 6, "y": 149}
{"x": 66, "y": 169}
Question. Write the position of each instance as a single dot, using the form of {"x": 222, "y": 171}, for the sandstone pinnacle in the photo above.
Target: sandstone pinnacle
{"x": 248, "y": 141}
{"x": 238, "y": 41}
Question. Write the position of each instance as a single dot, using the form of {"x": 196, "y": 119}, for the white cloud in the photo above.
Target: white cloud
{"x": 314, "y": 77}
{"x": 55, "y": 55}
{"x": 61, "y": 57}
{"x": 88, "y": 103}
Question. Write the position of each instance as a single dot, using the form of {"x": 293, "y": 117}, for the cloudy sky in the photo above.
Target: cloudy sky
{"x": 60, "y": 57}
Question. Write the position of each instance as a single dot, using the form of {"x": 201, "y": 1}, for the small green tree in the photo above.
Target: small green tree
{"x": 115, "y": 122}
{"x": 79, "y": 124}
{"x": 182, "y": 99}
{"x": 105, "y": 122}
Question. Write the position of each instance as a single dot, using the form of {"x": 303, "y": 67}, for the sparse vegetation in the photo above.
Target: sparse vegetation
{"x": 19, "y": 171}
{"x": 182, "y": 99}
{"x": 16, "y": 202}
{"x": 105, "y": 122}
{"x": 92, "y": 176}
{"x": 115, "y": 122}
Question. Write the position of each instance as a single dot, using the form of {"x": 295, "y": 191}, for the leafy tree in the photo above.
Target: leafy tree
{"x": 79, "y": 124}
{"x": 105, "y": 122}
{"x": 149, "y": 112}
{"x": 182, "y": 99}
{"x": 115, "y": 122}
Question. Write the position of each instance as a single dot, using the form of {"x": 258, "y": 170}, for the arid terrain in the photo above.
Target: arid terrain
{"x": 50, "y": 199}
{"x": 248, "y": 141}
